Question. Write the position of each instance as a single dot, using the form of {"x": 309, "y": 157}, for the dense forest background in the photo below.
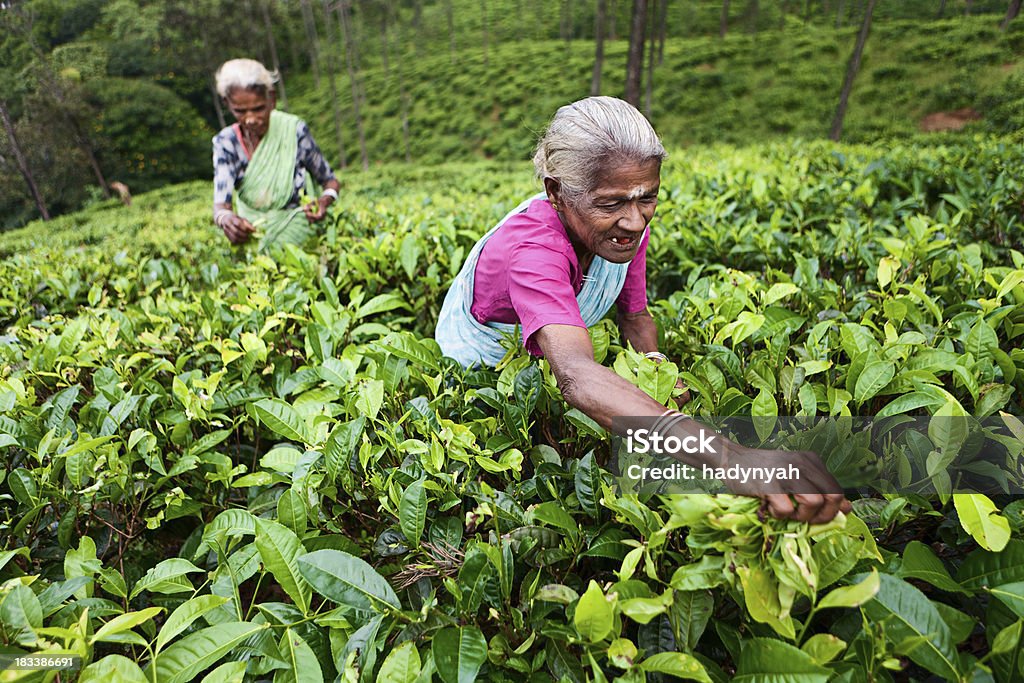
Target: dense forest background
{"x": 94, "y": 92}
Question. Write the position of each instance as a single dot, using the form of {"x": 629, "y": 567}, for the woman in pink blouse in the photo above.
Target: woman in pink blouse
{"x": 559, "y": 262}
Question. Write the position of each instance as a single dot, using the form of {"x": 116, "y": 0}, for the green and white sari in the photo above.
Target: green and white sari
{"x": 268, "y": 186}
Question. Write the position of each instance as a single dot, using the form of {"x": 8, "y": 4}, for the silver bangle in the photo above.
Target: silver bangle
{"x": 656, "y": 356}
{"x": 330, "y": 192}
{"x": 219, "y": 215}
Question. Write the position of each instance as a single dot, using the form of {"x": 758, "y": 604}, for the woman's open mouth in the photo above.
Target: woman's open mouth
{"x": 624, "y": 241}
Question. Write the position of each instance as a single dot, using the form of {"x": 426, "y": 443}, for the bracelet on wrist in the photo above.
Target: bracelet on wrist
{"x": 656, "y": 356}
{"x": 221, "y": 215}
{"x": 330, "y": 192}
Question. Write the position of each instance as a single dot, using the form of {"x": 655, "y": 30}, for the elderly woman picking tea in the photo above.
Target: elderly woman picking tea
{"x": 264, "y": 157}
{"x": 558, "y": 263}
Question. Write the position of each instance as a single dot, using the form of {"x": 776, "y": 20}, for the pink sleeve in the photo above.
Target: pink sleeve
{"x": 633, "y": 297}
{"x": 540, "y": 290}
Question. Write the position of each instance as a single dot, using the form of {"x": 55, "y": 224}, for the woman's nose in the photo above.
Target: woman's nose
{"x": 634, "y": 218}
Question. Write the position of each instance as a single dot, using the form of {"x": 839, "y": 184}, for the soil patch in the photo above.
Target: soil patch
{"x": 949, "y": 120}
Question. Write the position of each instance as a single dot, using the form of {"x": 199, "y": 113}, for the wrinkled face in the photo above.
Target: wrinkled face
{"x": 252, "y": 109}
{"x": 611, "y": 218}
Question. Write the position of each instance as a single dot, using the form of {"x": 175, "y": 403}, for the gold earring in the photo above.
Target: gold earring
{"x": 554, "y": 206}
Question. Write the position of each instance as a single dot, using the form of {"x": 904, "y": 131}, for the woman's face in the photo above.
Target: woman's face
{"x": 611, "y": 218}
{"x": 252, "y": 109}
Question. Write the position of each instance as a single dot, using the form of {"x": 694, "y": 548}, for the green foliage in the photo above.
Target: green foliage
{"x": 225, "y": 466}
{"x": 148, "y": 136}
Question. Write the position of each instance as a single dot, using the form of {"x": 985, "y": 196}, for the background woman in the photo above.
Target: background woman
{"x": 558, "y": 263}
{"x": 265, "y": 157}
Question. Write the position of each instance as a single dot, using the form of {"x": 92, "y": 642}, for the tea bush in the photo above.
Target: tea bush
{"x": 223, "y": 466}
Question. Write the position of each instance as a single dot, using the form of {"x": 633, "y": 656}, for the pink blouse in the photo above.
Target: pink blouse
{"x": 528, "y": 273}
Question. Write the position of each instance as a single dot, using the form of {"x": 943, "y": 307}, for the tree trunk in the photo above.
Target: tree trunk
{"x": 723, "y": 19}
{"x": 753, "y": 14}
{"x": 652, "y": 36}
{"x": 384, "y": 41}
{"x": 839, "y": 14}
{"x": 331, "y": 69}
{"x": 635, "y": 58}
{"x": 483, "y": 22}
{"x": 269, "y": 27}
{"x": 26, "y": 172}
{"x": 662, "y": 23}
{"x": 254, "y": 29}
{"x": 350, "y": 59}
{"x": 782, "y": 14}
{"x": 403, "y": 96}
{"x": 417, "y": 25}
{"x": 599, "y": 17}
{"x": 851, "y": 72}
{"x": 216, "y": 105}
{"x": 942, "y": 9}
{"x": 967, "y": 8}
{"x": 450, "y": 15}
{"x": 612, "y": 34}
{"x": 312, "y": 41}
{"x": 1011, "y": 13}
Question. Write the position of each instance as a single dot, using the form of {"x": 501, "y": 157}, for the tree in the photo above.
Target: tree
{"x": 635, "y": 56}
{"x": 662, "y": 24}
{"x": 268, "y": 25}
{"x": 753, "y": 15}
{"x": 449, "y": 13}
{"x": 331, "y": 69}
{"x": 851, "y": 72}
{"x": 403, "y": 95}
{"x": 723, "y": 19}
{"x": 385, "y": 17}
{"x": 351, "y": 60}
{"x": 23, "y": 166}
{"x": 1011, "y": 13}
{"x": 483, "y": 27}
{"x": 312, "y": 40}
{"x": 651, "y": 49}
{"x": 599, "y": 17}
{"x": 62, "y": 96}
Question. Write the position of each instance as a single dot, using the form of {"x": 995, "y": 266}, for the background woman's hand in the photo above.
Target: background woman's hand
{"x": 316, "y": 210}
{"x": 236, "y": 228}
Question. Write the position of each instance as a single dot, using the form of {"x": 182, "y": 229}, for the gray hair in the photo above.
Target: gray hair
{"x": 247, "y": 74}
{"x": 586, "y": 135}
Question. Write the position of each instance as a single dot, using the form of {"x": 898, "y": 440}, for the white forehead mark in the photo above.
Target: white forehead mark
{"x": 637, "y": 192}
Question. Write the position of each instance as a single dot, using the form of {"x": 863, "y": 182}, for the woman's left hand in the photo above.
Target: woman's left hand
{"x": 683, "y": 398}
{"x": 315, "y": 211}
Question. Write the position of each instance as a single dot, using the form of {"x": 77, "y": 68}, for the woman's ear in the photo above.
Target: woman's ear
{"x": 553, "y": 188}
{"x": 272, "y": 95}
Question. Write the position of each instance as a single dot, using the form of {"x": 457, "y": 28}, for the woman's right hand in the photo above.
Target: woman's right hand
{"x": 236, "y": 228}
{"x": 812, "y": 496}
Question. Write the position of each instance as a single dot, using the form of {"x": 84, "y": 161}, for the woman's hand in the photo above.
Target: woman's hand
{"x": 316, "y": 210}
{"x": 236, "y": 228}
{"x": 814, "y": 497}
{"x": 604, "y": 396}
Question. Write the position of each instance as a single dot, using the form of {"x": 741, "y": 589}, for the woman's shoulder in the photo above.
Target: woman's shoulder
{"x": 538, "y": 225}
{"x": 226, "y": 136}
